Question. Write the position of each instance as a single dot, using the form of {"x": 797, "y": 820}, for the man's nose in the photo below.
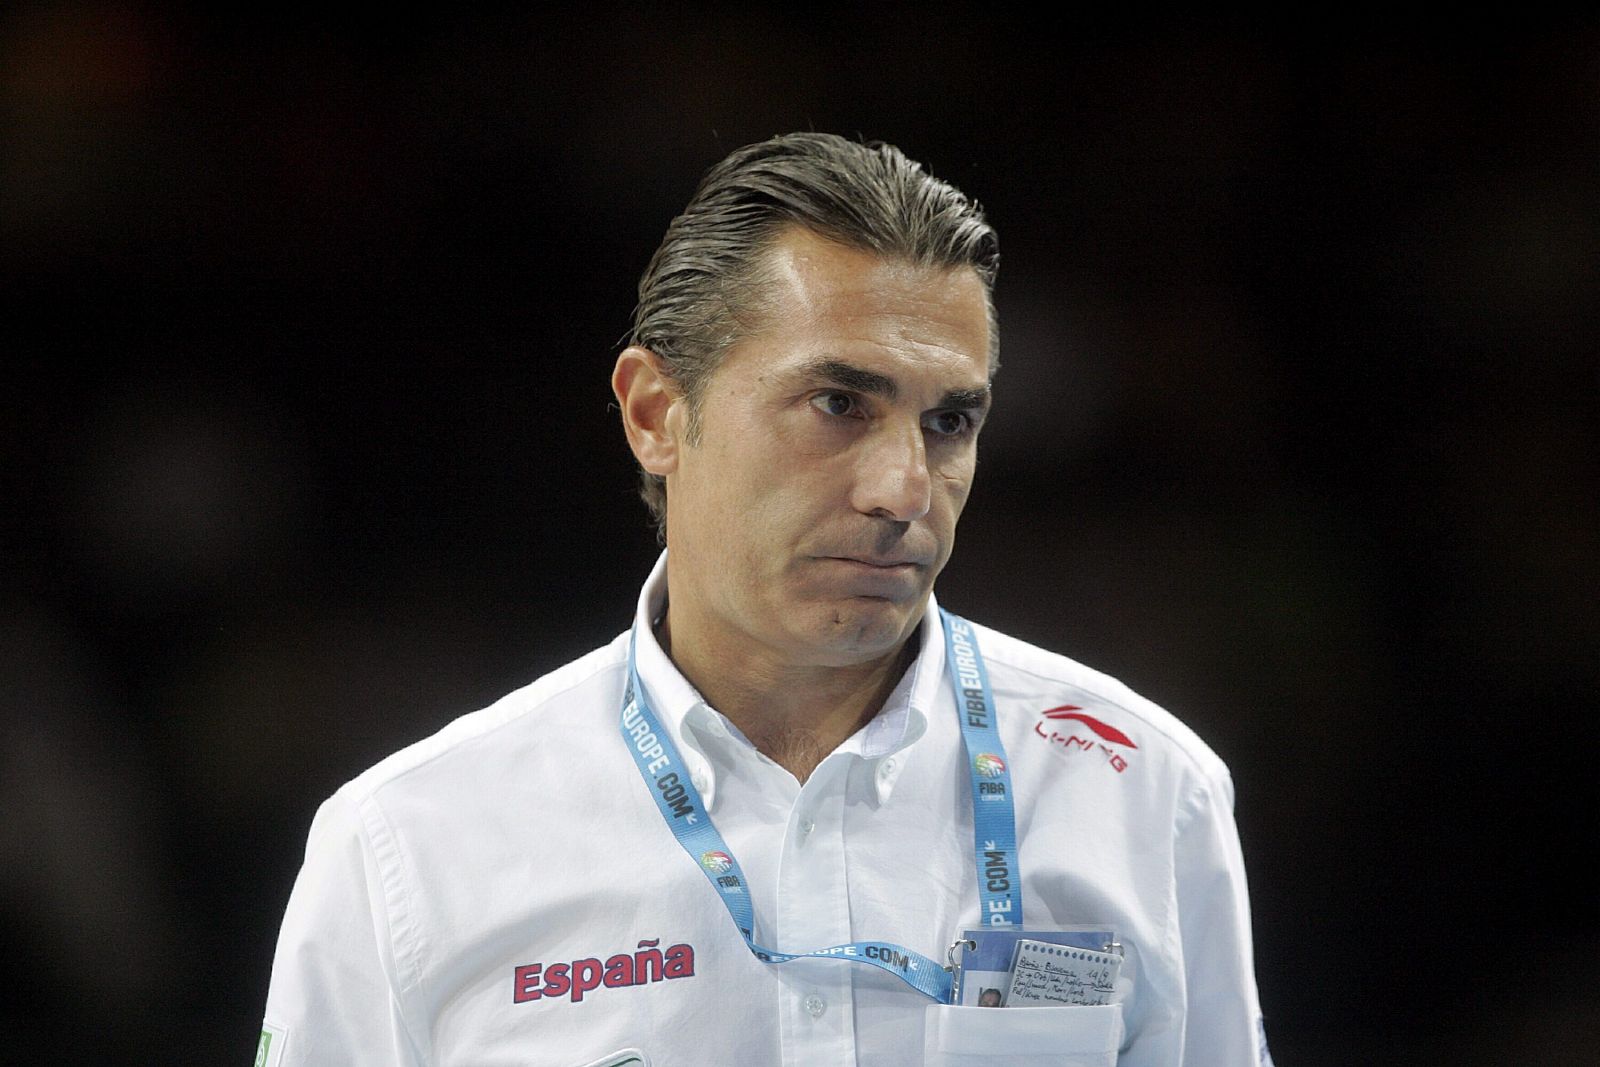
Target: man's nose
{"x": 892, "y": 478}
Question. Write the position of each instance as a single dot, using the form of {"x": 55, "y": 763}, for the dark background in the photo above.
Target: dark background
{"x": 306, "y": 450}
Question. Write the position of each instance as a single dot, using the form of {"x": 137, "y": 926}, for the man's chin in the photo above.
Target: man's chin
{"x": 859, "y": 629}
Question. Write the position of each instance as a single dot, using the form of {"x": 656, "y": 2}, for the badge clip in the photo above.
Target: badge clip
{"x": 952, "y": 963}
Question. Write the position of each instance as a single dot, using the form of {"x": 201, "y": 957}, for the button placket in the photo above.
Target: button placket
{"x": 813, "y": 913}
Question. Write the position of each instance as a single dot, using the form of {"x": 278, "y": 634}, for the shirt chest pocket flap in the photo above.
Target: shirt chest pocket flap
{"x": 958, "y": 1036}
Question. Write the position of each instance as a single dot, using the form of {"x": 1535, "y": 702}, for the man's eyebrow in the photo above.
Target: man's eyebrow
{"x": 853, "y": 378}
{"x": 967, "y": 399}
{"x": 872, "y": 383}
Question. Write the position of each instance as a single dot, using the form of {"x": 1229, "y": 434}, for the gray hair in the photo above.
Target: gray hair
{"x": 704, "y": 287}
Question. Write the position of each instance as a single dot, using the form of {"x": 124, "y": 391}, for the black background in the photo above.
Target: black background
{"x": 306, "y": 449}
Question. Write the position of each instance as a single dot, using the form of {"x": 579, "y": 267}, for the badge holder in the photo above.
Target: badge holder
{"x": 982, "y": 963}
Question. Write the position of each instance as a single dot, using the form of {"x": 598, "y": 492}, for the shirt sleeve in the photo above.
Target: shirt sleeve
{"x": 335, "y": 995}
{"x": 1223, "y": 1018}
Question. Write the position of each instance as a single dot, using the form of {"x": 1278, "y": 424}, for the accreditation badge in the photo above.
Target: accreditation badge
{"x": 987, "y": 967}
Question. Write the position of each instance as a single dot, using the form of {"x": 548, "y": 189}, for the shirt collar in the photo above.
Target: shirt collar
{"x": 672, "y": 698}
{"x": 881, "y": 743}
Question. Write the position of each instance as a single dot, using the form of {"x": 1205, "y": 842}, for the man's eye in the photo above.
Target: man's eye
{"x": 839, "y": 404}
{"x": 947, "y": 423}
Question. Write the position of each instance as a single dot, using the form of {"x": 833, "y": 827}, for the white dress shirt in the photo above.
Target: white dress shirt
{"x": 507, "y": 893}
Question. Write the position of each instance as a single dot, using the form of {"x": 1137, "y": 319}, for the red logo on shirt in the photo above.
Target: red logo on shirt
{"x": 1076, "y": 742}
{"x": 535, "y": 981}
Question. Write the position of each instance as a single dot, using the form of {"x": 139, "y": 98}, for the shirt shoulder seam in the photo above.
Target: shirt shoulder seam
{"x": 408, "y": 943}
{"x": 474, "y": 725}
{"x": 405, "y": 940}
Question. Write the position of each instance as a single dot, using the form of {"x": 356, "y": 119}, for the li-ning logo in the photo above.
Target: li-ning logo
{"x": 535, "y": 981}
{"x": 1076, "y": 742}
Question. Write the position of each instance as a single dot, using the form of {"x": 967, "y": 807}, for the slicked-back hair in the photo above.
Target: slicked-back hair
{"x": 704, "y": 288}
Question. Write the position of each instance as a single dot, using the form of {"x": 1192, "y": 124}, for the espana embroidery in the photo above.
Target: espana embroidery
{"x": 535, "y": 981}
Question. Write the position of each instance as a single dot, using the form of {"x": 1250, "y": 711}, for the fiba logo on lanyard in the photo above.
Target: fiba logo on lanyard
{"x": 988, "y": 767}
{"x": 720, "y": 862}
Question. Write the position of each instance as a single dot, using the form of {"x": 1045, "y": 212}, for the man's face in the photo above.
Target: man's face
{"x": 836, "y": 450}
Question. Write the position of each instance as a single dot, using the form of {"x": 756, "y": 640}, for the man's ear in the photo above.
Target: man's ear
{"x": 646, "y": 395}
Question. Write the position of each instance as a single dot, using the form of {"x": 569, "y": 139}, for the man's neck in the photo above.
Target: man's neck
{"x": 794, "y": 714}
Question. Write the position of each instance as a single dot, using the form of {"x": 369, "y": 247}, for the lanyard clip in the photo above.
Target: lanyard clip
{"x": 952, "y": 963}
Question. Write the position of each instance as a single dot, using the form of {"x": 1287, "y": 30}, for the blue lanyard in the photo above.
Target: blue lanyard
{"x": 994, "y": 823}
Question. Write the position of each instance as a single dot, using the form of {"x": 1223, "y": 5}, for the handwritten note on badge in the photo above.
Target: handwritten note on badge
{"x": 1043, "y": 974}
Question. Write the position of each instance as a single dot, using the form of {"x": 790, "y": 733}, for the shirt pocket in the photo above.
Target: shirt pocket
{"x": 962, "y": 1036}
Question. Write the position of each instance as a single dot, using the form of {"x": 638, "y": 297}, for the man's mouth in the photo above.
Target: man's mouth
{"x": 881, "y": 563}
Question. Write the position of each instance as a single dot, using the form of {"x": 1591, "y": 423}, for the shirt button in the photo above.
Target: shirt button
{"x": 700, "y": 781}
{"x": 886, "y": 768}
{"x": 806, "y": 826}
{"x": 815, "y": 1005}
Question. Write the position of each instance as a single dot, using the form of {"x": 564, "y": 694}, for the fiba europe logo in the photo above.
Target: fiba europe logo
{"x": 989, "y": 765}
{"x": 719, "y": 862}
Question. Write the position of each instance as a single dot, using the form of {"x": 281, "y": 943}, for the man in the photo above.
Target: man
{"x": 793, "y": 752}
